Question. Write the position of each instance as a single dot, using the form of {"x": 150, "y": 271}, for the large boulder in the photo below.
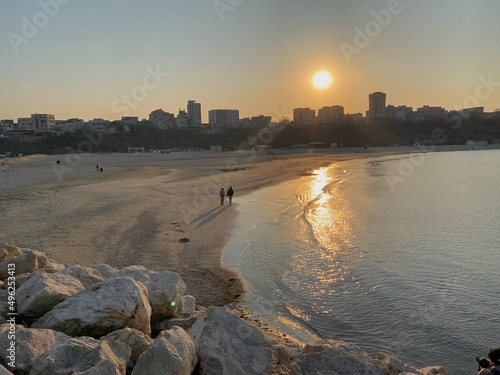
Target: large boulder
{"x": 188, "y": 305}
{"x": 185, "y": 322}
{"x": 83, "y": 356}
{"x": 52, "y": 266}
{"x": 165, "y": 289}
{"x": 137, "y": 341}
{"x": 39, "y": 294}
{"x": 398, "y": 367}
{"x": 9, "y": 251}
{"x": 433, "y": 370}
{"x": 88, "y": 276}
{"x": 4, "y": 371}
{"x": 105, "y": 270}
{"x": 102, "y": 308}
{"x": 30, "y": 343}
{"x": 394, "y": 365}
{"x": 325, "y": 357}
{"x": 26, "y": 262}
{"x": 226, "y": 344}
{"x": 173, "y": 353}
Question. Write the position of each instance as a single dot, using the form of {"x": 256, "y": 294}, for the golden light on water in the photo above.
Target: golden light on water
{"x": 328, "y": 214}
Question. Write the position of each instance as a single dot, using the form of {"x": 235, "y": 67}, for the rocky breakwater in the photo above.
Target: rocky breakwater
{"x": 58, "y": 319}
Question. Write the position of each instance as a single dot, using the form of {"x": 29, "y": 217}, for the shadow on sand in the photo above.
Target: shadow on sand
{"x": 209, "y": 215}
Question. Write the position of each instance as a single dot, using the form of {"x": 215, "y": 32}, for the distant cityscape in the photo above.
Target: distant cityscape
{"x": 220, "y": 119}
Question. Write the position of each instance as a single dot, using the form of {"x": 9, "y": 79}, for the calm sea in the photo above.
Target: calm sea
{"x": 396, "y": 254}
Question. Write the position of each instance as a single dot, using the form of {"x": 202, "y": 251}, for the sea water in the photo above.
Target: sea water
{"x": 397, "y": 254}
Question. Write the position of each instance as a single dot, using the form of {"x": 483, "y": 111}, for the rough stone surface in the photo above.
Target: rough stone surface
{"x": 53, "y": 266}
{"x": 137, "y": 341}
{"x": 4, "y": 371}
{"x": 184, "y": 322}
{"x": 9, "y": 251}
{"x": 188, "y": 304}
{"x": 226, "y": 344}
{"x": 83, "y": 356}
{"x": 394, "y": 365}
{"x": 42, "y": 292}
{"x": 103, "y": 308}
{"x": 335, "y": 357}
{"x": 105, "y": 270}
{"x": 26, "y": 262}
{"x": 30, "y": 343}
{"x": 87, "y": 276}
{"x": 435, "y": 370}
{"x": 4, "y": 305}
{"x": 22, "y": 278}
{"x": 173, "y": 353}
{"x": 164, "y": 288}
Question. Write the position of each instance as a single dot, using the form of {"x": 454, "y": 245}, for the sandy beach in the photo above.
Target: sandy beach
{"x": 161, "y": 211}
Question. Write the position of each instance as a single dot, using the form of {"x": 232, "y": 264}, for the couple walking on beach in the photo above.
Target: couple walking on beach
{"x": 229, "y": 195}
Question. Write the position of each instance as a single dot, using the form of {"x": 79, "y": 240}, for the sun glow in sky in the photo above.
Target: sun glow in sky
{"x": 322, "y": 80}
{"x": 114, "y": 58}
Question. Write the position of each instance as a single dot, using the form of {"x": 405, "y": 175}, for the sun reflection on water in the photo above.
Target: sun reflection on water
{"x": 328, "y": 215}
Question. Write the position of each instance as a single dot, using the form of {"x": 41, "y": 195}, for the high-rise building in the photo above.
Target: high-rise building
{"x": 224, "y": 118}
{"x": 194, "y": 113}
{"x": 333, "y": 114}
{"x": 304, "y": 116}
{"x": 376, "y": 105}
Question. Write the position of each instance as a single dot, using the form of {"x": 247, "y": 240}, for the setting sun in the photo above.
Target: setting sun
{"x": 322, "y": 79}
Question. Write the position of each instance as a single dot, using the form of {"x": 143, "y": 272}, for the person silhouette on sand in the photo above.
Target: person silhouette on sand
{"x": 222, "y": 195}
{"x": 230, "y": 193}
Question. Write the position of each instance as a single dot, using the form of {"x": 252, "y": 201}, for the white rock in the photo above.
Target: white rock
{"x": 105, "y": 270}
{"x": 394, "y": 365}
{"x": 102, "y": 308}
{"x": 30, "y": 343}
{"x": 4, "y": 371}
{"x": 226, "y": 344}
{"x": 137, "y": 341}
{"x": 184, "y": 322}
{"x": 435, "y": 370}
{"x": 87, "y": 276}
{"x": 188, "y": 305}
{"x": 173, "y": 353}
{"x": 22, "y": 278}
{"x": 335, "y": 357}
{"x": 53, "y": 266}
{"x": 26, "y": 262}
{"x": 9, "y": 251}
{"x": 85, "y": 356}
{"x": 42, "y": 292}
{"x": 165, "y": 289}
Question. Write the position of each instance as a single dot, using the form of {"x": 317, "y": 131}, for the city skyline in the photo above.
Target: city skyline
{"x": 112, "y": 59}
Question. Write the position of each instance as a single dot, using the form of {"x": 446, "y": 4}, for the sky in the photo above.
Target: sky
{"x": 108, "y": 58}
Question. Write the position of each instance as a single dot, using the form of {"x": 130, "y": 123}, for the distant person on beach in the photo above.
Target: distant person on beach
{"x": 101, "y": 169}
{"x": 270, "y": 155}
{"x": 230, "y": 193}
{"x": 97, "y": 167}
{"x": 222, "y": 195}
{"x": 493, "y": 368}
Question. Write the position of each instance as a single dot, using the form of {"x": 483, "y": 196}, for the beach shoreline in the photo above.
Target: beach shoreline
{"x": 161, "y": 211}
